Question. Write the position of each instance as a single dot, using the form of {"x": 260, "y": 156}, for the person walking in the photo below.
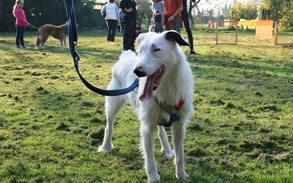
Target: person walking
{"x": 158, "y": 5}
{"x": 20, "y": 23}
{"x": 158, "y": 22}
{"x": 129, "y": 10}
{"x": 172, "y": 16}
{"x": 112, "y": 18}
{"x": 185, "y": 18}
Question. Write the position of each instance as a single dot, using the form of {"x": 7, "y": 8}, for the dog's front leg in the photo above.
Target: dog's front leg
{"x": 166, "y": 149}
{"x": 147, "y": 137}
{"x": 43, "y": 45}
{"x": 61, "y": 43}
{"x": 178, "y": 133}
{"x": 64, "y": 42}
{"x": 113, "y": 105}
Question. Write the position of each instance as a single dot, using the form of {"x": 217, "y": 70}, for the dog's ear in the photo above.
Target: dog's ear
{"x": 175, "y": 36}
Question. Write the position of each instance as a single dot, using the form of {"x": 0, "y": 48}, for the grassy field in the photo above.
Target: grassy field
{"x": 51, "y": 125}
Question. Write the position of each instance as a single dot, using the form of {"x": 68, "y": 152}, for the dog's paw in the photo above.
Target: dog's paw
{"x": 181, "y": 175}
{"x": 168, "y": 154}
{"x": 154, "y": 178}
{"x": 105, "y": 148}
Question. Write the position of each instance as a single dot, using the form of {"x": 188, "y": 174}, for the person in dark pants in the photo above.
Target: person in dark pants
{"x": 172, "y": 15}
{"x": 112, "y": 18}
{"x": 129, "y": 10}
{"x": 186, "y": 24}
{"x": 20, "y": 23}
{"x": 158, "y": 22}
{"x": 112, "y": 26}
{"x": 19, "y": 37}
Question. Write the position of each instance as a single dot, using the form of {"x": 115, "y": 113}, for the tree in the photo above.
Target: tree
{"x": 144, "y": 10}
{"x": 243, "y": 11}
{"x": 39, "y": 12}
{"x": 280, "y": 10}
{"x": 225, "y": 10}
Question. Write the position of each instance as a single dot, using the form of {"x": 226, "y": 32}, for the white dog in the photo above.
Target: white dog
{"x": 166, "y": 83}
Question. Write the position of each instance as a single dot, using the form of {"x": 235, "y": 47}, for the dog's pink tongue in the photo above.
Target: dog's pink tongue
{"x": 148, "y": 88}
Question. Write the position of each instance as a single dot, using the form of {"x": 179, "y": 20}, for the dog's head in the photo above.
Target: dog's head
{"x": 156, "y": 52}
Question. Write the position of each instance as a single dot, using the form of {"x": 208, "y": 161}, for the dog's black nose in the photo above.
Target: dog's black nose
{"x": 139, "y": 72}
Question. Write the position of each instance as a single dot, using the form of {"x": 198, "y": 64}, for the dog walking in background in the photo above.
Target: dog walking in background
{"x": 165, "y": 87}
{"x": 58, "y": 32}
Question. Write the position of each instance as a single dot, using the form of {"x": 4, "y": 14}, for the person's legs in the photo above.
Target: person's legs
{"x": 187, "y": 28}
{"x": 127, "y": 34}
{"x": 18, "y": 33}
{"x": 119, "y": 28}
{"x": 122, "y": 27}
{"x": 21, "y": 37}
{"x": 167, "y": 23}
{"x": 113, "y": 27}
{"x": 177, "y": 24}
{"x": 133, "y": 34}
{"x": 109, "y": 30}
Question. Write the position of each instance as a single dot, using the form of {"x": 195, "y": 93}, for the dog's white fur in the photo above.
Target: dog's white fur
{"x": 177, "y": 83}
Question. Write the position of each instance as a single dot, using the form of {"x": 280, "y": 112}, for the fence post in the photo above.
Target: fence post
{"x": 216, "y": 33}
{"x": 236, "y": 32}
{"x": 276, "y": 34}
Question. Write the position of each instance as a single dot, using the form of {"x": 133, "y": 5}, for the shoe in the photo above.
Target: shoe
{"x": 18, "y": 47}
{"x": 24, "y": 47}
{"x": 192, "y": 52}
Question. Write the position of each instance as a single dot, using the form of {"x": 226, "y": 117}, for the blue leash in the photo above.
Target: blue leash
{"x": 72, "y": 34}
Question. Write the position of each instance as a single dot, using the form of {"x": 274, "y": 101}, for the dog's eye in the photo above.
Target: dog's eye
{"x": 157, "y": 49}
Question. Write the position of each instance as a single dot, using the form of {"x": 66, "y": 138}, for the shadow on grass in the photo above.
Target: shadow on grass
{"x": 237, "y": 63}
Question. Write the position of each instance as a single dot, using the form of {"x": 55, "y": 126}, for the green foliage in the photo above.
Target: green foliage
{"x": 51, "y": 125}
{"x": 40, "y": 12}
{"x": 144, "y": 10}
{"x": 243, "y": 11}
{"x": 281, "y": 10}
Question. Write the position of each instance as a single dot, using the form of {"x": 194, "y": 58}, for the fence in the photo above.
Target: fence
{"x": 276, "y": 43}
{"x": 236, "y": 32}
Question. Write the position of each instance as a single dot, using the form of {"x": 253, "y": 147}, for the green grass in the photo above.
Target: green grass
{"x": 51, "y": 125}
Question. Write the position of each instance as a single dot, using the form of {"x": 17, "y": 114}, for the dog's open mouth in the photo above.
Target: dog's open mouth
{"x": 152, "y": 83}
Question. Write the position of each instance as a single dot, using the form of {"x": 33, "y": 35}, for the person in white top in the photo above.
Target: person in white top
{"x": 112, "y": 18}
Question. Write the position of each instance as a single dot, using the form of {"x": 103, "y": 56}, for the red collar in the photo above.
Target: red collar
{"x": 169, "y": 108}
{"x": 180, "y": 104}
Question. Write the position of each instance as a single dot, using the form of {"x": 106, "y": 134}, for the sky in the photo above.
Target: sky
{"x": 215, "y": 4}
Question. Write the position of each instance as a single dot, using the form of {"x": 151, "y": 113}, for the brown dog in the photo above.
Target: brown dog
{"x": 59, "y": 32}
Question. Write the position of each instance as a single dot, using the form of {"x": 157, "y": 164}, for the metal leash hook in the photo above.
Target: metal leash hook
{"x": 72, "y": 34}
